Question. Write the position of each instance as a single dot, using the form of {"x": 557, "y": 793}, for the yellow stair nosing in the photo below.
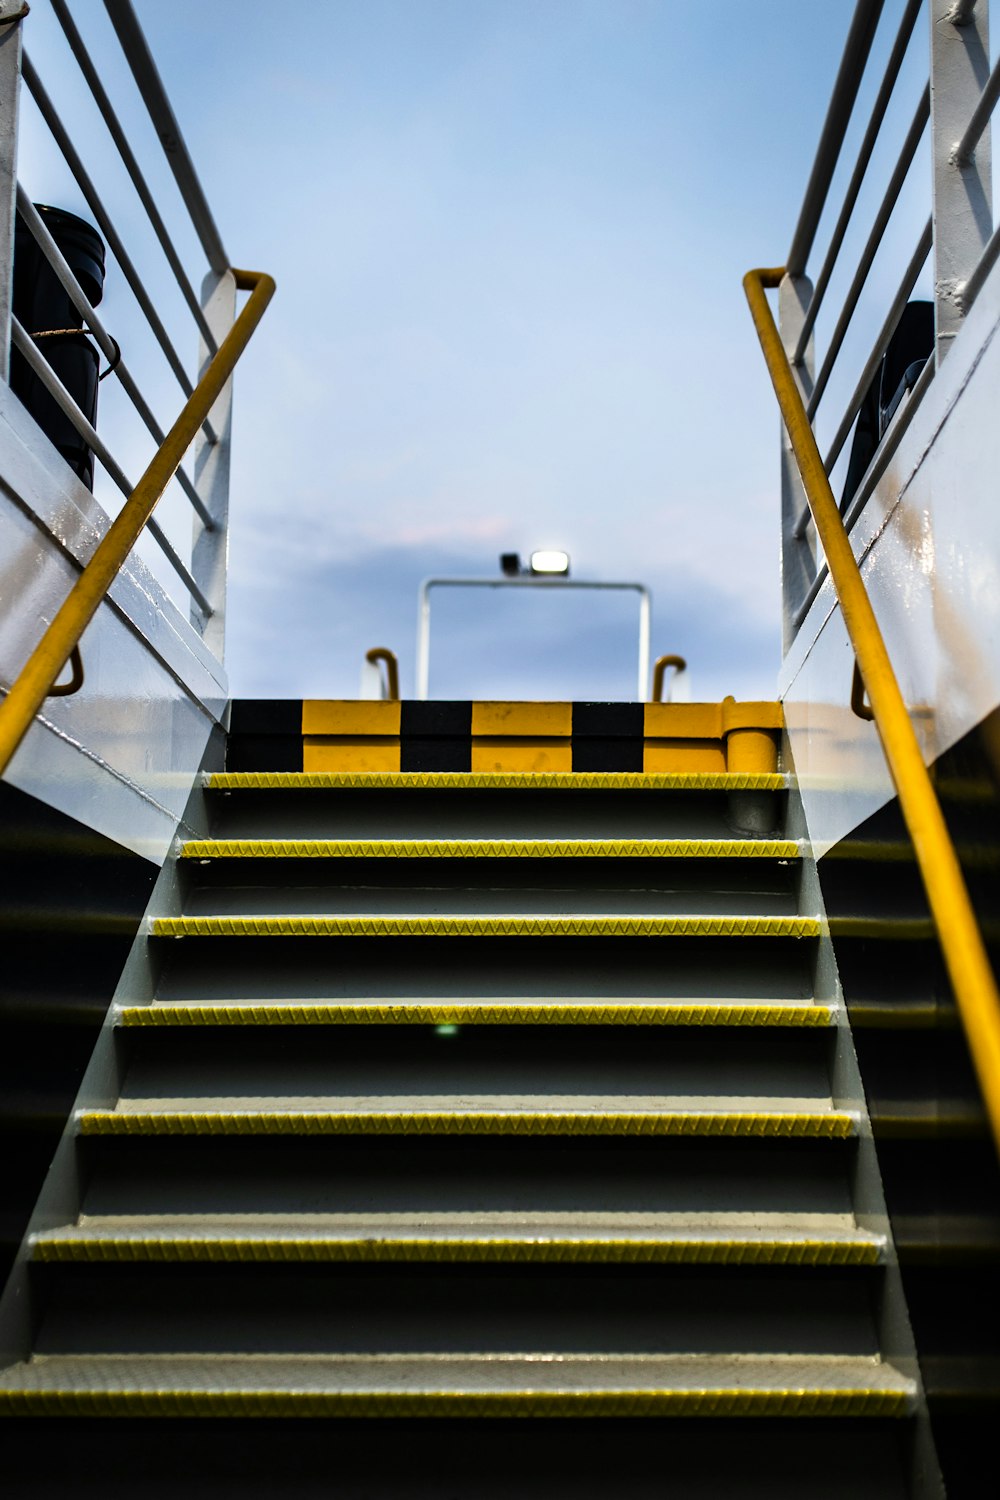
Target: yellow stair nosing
{"x": 730, "y": 781}
{"x": 309, "y": 925}
{"x": 493, "y": 1385}
{"x": 822, "y": 1124}
{"x": 487, "y": 848}
{"x": 502, "y": 1013}
{"x": 136, "y": 1246}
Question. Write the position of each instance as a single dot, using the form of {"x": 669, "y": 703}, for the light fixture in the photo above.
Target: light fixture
{"x": 510, "y": 564}
{"x": 556, "y": 563}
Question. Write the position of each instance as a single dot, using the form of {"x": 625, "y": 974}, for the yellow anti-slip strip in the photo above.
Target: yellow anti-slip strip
{"x": 569, "y": 781}
{"x": 828, "y": 1124}
{"x": 720, "y": 1401}
{"x": 559, "y": 926}
{"x": 455, "y": 1249}
{"x": 490, "y": 849}
{"x": 613, "y": 1013}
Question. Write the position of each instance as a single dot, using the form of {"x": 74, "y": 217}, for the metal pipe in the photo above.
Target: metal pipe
{"x": 61, "y": 137}
{"x": 916, "y": 130}
{"x": 154, "y": 96}
{"x": 961, "y": 941}
{"x": 61, "y": 396}
{"x": 383, "y": 654}
{"x": 860, "y": 168}
{"x": 109, "y": 348}
{"x": 845, "y": 91}
{"x": 424, "y": 616}
{"x": 961, "y": 12}
{"x": 28, "y": 692}
{"x": 660, "y": 671}
{"x": 120, "y": 139}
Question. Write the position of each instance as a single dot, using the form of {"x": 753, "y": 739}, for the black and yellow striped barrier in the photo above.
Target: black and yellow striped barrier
{"x": 340, "y": 735}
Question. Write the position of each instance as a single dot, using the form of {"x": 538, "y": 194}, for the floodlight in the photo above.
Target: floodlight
{"x": 550, "y": 562}
{"x": 510, "y": 564}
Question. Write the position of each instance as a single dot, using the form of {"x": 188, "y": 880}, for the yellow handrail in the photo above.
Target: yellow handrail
{"x": 958, "y": 932}
{"x": 29, "y": 691}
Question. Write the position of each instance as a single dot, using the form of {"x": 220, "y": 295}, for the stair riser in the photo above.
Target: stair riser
{"x": 747, "y": 886}
{"x": 237, "y": 1175}
{"x": 558, "y": 1459}
{"x": 271, "y": 1063}
{"x": 455, "y": 1309}
{"x": 492, "y": 814}
{"x": 537, "y": 967}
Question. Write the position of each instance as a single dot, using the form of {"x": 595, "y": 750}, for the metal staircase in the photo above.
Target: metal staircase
{"x": 463, "y": 1096}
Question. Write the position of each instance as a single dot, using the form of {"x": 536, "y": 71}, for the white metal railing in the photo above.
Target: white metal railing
{"x": 947, "y": 42}
{"x": 197, "y": 562}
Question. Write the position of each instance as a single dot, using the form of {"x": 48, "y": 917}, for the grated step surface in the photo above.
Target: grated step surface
{"x": 444, "y": 1385}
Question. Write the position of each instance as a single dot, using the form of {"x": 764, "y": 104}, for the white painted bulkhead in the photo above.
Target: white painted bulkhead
{"x": 928, "y": 542}
{"x": 121, "y": 755}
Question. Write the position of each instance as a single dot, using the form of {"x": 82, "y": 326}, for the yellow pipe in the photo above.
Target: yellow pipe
{"x": 28, "y": 693}
{"x": 958, "y": 932}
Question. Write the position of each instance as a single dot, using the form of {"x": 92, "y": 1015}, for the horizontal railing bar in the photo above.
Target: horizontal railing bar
{"x": 845, "y": 90}
{"x": 867, "y": 375}
{"x": 886, "y": 332}
{"x": 154, "y": 96}
{"x": 958, "y": 932}
{"x": 128, "y": 157}
{"x": 29, "y": 213}
{"x": 962, "y": 154}
{"x": 873, "y": 474}
{"x": 969, "y": 290}
{"x": 28, "y": 692}
{"x": 89, "y": 191}
{"x": 906, "y": 155}
{"x": 61, "y": 396}
{"x": 879, "y": 108}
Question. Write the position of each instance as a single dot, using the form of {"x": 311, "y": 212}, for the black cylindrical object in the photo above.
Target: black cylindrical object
{"x": 42, "y": 307}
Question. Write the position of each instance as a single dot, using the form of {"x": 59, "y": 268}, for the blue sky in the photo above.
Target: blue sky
{"x": 508, "y": 238}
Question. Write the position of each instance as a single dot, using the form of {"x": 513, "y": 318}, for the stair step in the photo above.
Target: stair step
{"x": 293, "y": 1012}
{"x": 548, "y": 781}
{"x": 704, "y": 1239}
{"x": 205, "y": 849}
{"x": 464, "y": 1116}
{"x": 550, "y": 1385}
{"x": 302, "y": 925}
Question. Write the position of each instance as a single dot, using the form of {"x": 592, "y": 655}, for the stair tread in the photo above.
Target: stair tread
{"x": 563, "y": 925}
{"x": 618, "y": 781}
{"x": 494, "y": 1011}
{"x": 546, "y": 1382}
{"x": 707, "y": 1237}
{"x": 491, "y": 848}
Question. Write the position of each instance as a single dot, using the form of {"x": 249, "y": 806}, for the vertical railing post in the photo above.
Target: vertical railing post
{"x": 10, "y": 94}
{"x": 962, "y": 205}
{"x": 210, "y": 549}
{"x": 798, "y": 562}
